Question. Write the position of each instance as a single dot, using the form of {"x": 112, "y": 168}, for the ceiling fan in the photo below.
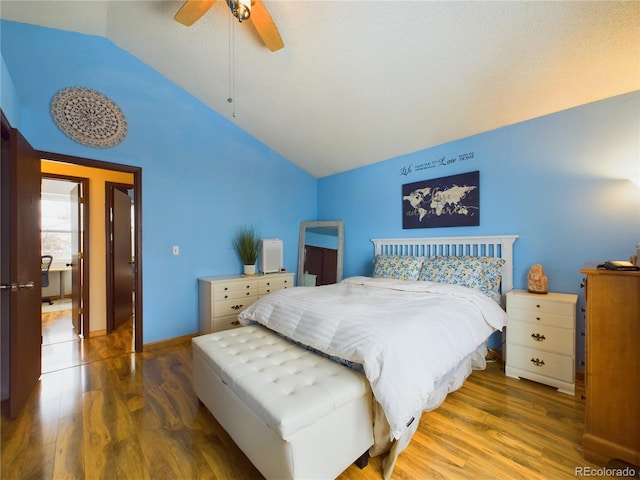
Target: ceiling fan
{"x": 253, "y": 10}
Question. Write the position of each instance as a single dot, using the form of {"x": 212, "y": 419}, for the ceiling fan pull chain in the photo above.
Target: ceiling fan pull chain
{"x": 232, "y": 66}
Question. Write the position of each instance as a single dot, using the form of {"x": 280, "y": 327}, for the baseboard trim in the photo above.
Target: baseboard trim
{"x": 171, "y": 342}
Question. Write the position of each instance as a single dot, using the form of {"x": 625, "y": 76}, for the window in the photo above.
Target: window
{"x": 56, "y": 226}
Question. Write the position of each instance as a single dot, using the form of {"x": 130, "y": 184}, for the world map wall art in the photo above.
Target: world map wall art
{"x": 452, "y": 201}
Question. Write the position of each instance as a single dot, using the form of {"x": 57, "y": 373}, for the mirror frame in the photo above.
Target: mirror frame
{"x": 339, "y": 224}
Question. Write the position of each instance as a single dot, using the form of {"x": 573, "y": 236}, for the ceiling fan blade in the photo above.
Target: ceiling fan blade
{"x": 265, "y": 26}
{"x": 192, "y": 10}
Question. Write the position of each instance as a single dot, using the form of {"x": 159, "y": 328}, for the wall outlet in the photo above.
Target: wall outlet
{"x": 176, "y": 250}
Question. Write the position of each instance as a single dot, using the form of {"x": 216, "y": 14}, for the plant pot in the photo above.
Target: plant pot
{"x": 249, "y": 269}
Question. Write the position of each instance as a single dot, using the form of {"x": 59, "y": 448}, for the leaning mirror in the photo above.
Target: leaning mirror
{"x": 320, "y": 253}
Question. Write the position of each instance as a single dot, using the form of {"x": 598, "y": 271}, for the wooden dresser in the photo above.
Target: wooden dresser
{"x": 612, "y": 415}
{"x": 222, "y": 298}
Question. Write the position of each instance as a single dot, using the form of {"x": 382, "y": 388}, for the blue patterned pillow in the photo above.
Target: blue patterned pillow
{"x": 397, "y": 266}
{"x": 483, "y": 273}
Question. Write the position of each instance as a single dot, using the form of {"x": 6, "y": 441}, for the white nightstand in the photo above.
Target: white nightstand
{"x": 222, "y": 298}
{"x": 541, "y": 342}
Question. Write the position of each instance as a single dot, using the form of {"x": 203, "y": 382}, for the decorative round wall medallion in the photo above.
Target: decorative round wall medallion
{"x": 88, "y": 117}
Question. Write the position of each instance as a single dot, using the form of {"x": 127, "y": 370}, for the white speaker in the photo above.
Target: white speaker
{"x": 271, "y": 255}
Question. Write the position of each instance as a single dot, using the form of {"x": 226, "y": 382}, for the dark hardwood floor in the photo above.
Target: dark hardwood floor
{"x": 124, "y": 415}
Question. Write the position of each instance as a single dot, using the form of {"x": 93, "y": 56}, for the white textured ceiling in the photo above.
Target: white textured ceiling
{"x": 363, "y": 81}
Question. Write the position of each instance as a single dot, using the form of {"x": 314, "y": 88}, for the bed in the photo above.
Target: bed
{"x": 415, "y": 328}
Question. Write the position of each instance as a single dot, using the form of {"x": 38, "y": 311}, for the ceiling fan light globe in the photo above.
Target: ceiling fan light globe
{"x": 241, "y": 9}
{"x": 243, "y": 13}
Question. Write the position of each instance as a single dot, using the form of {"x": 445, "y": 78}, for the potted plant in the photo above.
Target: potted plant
{"x": 247, "y": 245}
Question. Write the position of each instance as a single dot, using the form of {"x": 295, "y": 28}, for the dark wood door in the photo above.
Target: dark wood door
{"x": 123, "y": 280}
{"x": 21, "y": 278}
{"x": 329, "y": 266}
{"x": 313, "y": 260}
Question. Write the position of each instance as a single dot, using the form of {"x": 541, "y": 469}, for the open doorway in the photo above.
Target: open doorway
{"x": 65, "y": 321}
{"x": 97, "y": 338}
{"x": 67, "y": 337}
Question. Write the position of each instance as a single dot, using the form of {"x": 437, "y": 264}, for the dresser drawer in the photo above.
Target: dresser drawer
{"x": 226, "y": 291}
{"x": 541, "y": 317}
{"x": 540, "y": 362}
{"x": 225, "y": 323}
{"x": 541, "y": 337}
{"x": 220, "y": 323}
{"x": 233, "y": 306}
{"x": 229, "y": 294}
{"x": 221, "y": 298}
{"x": 268, "y": 285}
{"x": 552, "y": 303}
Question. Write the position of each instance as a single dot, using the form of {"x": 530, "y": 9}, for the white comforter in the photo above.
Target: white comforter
{"x": 405, "y": 334}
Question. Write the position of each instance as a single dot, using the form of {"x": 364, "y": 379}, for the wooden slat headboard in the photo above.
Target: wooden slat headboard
{"x": 500, "y": 246}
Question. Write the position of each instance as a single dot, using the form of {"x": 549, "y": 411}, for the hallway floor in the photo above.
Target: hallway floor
{"x": 62, "y": 348}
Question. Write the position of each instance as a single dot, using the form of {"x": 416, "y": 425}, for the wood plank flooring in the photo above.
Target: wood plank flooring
{"x": 135, "y": 416}
{"x": 62, "y": 348}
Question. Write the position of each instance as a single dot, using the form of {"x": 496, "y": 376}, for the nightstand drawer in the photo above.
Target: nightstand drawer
{"x": 543, "y": 363}
{"x": 542, "y": 337}
{"x": 233, "y": 306}
{"x": 541, "y": 317}
{"x": 547, "y": 304}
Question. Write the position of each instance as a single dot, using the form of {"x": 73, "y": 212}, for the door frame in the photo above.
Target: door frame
{"x": 85, "y": 242}
{"x": 137, "y": 200}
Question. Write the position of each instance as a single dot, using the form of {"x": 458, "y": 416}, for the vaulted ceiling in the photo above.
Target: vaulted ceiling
{"x": 363, "y": 81}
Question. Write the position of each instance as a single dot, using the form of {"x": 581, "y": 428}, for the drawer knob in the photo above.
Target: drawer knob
{"x": 537, "y": 362}
{"x": 537, "y": 337}
{"x": 235, "y": 322}
{"x": 537, "y": 306}
{"x": 237, "y": 307}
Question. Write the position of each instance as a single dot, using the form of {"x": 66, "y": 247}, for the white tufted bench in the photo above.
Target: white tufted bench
{"x": 293, "y": 413}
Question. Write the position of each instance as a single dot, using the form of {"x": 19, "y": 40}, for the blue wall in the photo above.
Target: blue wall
{"x": 562, "y": 182}
{"x": 202, "y": 177}
{"x": 8, "y": 98}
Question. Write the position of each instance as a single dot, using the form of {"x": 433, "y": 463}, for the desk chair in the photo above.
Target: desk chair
{"x": 45, "y": 265}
